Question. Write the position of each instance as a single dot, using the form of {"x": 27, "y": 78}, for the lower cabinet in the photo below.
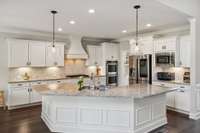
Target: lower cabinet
{"x": 21, "y": 96}
{"x": 18, "y": 96}
{"x": 179, "y": 100}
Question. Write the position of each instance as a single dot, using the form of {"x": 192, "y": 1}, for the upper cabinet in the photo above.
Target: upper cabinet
{"x": 165, "y": 45}
{"x": 110, "y": 51}
{"x": 95, "y": 55}
{"x": 55, "y": 58}
{"x": 18, "y": 53}
{"x": 37, "y": 53}
{"x": 185, "y": 51}
{"x": 24, "y": 53}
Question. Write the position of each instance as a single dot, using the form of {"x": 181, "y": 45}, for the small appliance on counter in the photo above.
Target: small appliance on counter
{"x": 112, "y": 73}
{"x": 165, "y": 76}
{"x": 186, "y": 77}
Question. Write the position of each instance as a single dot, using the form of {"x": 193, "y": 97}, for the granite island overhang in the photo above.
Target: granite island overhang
{"x": 138, "y": 108}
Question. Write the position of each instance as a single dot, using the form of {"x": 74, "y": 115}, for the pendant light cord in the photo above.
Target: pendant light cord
{"x": 53, "y": 12}
{"x": 137, "y": 22}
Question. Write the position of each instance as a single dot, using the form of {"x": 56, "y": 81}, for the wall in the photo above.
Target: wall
{"x": 3, "y": 63}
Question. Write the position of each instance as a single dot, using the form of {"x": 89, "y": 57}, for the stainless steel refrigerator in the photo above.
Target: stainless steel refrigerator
{"x": 140, "y": 69}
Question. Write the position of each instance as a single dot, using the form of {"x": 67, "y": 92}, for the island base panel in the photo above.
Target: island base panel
{"x": 71, "y": 114}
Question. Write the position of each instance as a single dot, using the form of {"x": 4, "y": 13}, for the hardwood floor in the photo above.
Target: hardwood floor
{"x": 27, "y": 120}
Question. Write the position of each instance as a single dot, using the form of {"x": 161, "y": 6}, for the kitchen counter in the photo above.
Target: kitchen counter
{"x": 139, "y": 108}
{"x": 134, "y": 91}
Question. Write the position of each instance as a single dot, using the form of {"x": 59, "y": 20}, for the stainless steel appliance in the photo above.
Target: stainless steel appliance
{"x": 112, "y": 73}
{"x": 186, "y": 77}
{"x": 166, "y": 76}
{"x": 140, "y": 69}
{"x": 167, "y": 58}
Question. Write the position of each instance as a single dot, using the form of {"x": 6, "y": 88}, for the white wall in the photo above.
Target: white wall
{"x": 3, "y": 63}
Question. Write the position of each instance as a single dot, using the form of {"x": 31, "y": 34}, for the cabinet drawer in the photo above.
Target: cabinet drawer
{"x": 38, "y": 83}
{"x": 16, "y": 85}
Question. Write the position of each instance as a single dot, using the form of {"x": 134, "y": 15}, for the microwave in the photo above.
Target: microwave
{"x": 165, "y": 58}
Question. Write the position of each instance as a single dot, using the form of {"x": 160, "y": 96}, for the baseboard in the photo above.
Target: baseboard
{"x": 178, "y": 110}
{"x": 195, "y": 116}
{"x": 23, "y": 106}
{"x": 150, "y": 127}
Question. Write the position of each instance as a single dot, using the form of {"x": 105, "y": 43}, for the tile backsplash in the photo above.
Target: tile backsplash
{"x": 71, "y": 67}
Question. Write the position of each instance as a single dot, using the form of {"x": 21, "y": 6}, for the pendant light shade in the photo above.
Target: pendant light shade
{"x": 53, "y": 12}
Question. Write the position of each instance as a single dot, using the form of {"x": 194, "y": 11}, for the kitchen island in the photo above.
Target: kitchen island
{"x": 133, "y": 109}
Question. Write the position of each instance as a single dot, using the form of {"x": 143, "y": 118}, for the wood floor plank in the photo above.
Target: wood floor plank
{"x": 27, "y": 120}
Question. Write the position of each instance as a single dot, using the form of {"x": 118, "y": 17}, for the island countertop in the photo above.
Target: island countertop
{"x": 134, "y": 91}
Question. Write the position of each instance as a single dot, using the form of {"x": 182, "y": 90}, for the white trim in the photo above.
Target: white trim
{"x": 195, "y": 116}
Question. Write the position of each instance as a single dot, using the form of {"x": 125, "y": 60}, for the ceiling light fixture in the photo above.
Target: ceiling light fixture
{"x": 148, "y": 25}
{"x": 72, "y": 22}
{"x": 60, "y": 29}
{"x": 53, "y": 12}
{"x": 91, "y": 11}
{"x": 124, "y": 31}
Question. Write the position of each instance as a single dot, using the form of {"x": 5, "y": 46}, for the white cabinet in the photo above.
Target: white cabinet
{"x": 165, "y": 44}
{"x": 22, "y": 94}
{"x": 146, "y": 45}
{"x": 178, "y": 100}
{"x": 37, "y": 55}
{"x": 185, "y": 51}
{"x": 18, "y": 96}
{"x": 171, "y": 99}
{"x": 55, "y": 58}
{"x": 110, "y": 51}
{"x": 95, "y": 55}
{"x": 182, "y": 99}
{"x": 34, "y": 53}
{"x": 18, "y": 53}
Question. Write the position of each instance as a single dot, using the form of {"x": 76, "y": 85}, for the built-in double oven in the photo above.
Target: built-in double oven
{"x": 112, "y": 73}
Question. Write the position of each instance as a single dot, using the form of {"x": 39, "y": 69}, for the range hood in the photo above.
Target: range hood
{"x": 75, "y": 49}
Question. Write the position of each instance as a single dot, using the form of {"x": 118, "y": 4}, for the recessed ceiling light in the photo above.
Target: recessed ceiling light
{"x": 72, "y": 22}
{"x": 124, "y": 31}
{"x": 60, "y": 29}
{"x": 91, "y": 11}
{"x": 148, "y": 25}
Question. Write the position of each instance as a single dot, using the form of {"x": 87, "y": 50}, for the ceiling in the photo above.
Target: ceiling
{"x": 110, "y": 18}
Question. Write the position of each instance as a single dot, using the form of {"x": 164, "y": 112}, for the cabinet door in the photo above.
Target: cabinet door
{"x": 147, "y": 47}
{"x": 185, "y": 51}
{"x": 182, "y": 100}
{"x": 18, "y": 53}
{"x": 98, "y": 55}
{"x": 92, "y": 55}
{"x": 55, "y": 58}
{"x": 59, "y": 54}
{"x": 111, "y": 51}
{"x": 171, "y": 99}
{"x": 37, "y": 53}
{"x": 35, "y": 97}
{"x": 18, "y": 96}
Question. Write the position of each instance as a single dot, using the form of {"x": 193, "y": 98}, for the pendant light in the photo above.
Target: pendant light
{"x": 53, "y": 12}
{"x": 137, "y": 49}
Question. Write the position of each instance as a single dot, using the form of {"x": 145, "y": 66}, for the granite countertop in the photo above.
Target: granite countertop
{"x": 173, "y": 82}
{"x": 134, "y": 91}
{"x": 46, "y": 79}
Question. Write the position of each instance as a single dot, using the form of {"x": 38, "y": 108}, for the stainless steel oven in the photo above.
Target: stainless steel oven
{"x": 112, "y": 72}
{"x": 165, "y": 58}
